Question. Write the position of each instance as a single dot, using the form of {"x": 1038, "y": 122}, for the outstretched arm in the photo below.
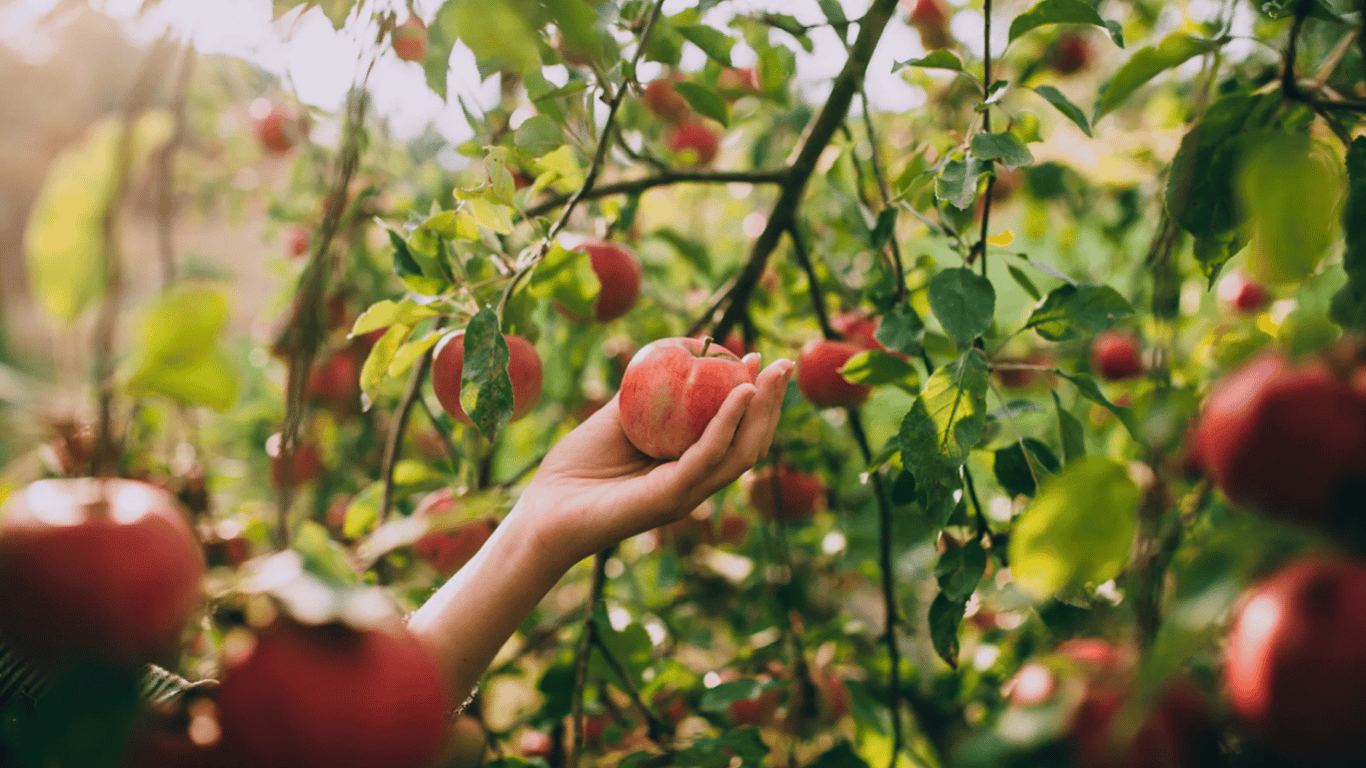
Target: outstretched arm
{"x": 593, "y": 490}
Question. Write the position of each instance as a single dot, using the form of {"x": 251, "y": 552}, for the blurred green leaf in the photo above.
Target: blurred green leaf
{"x": 941, "y": 59}
{"x": 385, "y": 313}
{"x": 1349, "y": 304}
{"x": 1055, "y": 12}
{"x": 362, "y": 513}
{"x": 1070, "y": 111}
{"x": 406, "y": 355}
{"x": 1013, "y": 471}
{"x": 179, "y": 354}
{"x": 876, "y": 368}
{"x": 410, "y": 272}
{"x": 538, "y": 135}
{"x": 964, "y": 303}
{"x": 499, "y": 32}
{"x": 946, "y": 616}
{"x": 704, "y": 101}
{"x": 1024, "y": 282}
{"x": 959, "y": 570}
{"x": 1069, "y": 432}
{"x": 566, "y": 277}
{"x": 324, "y": 557}
{"x": 486, "y": 389}
{"x": 713, "y": 42}
{"x": 1072, "y": 311}
{"x": 1078, "y": 530}
{"x": 381, "y": 355}
{"x": 1147, "y": 63}
{"x": 1291, "y": 189}
{"x": 1086, "y": 386}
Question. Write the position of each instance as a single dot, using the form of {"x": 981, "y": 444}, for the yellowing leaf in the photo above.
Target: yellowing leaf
{"x": 1003, "y": 239}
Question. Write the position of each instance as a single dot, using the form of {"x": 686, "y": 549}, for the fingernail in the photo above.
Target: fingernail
{"x": 787, "y": 366}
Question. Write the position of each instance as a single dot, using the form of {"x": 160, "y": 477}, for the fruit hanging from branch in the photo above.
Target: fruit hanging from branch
{"x": 672, "y": 389}
{"x": 410, "y": 40}
{"x": 448, "y": 550}
{"x": 524, "y": 368}
{"x": 786, "y": 494}
{"x": 662, "y": 99}
{"x": 619, "y": 277}
{"x": 693, "y": 144}
{"x": 819, "y": 378}
{"x": 278, "y": 127}
{"x": 1116, "y": 356}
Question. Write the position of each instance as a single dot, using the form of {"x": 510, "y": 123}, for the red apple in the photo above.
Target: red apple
{"x": 299, "y": 239}
{"x": 673, "y": 705}
{"x": 105, "y": 569}
{"x": 306, "y": 467}
{"x": 858, "y": 328}
{"x": 1295, "y": 663}
{"x": 465, "y": 744}
{"x": 619, "y": 275}
{"x": 410, "y": 40}
{"x": 693, "y": 144}
{"x": 833, "y": 695}
{"x": 661, "y": 98}
{"x": 672, "y": 389}
{"x": 333, "y": 696}
{"x": 1023, "y": 378}
{"x": 796, "y": 498}
{"x": 734, "y": 82}
{"x": 819, "y": 378}
{"x": 524, "y": 368}
{"x": 448, "y": 551}
{"x": 931, "y": 19}
{"x": 1246, "y": 297}
{"x": 756, "y": 710}
{"x": 1115, "y": 356}
{"x": 1285, "y": 440}
{"x": 278, "y": 128}
{"x": 1070, "y": 54}
{"x": 334, "y": 383}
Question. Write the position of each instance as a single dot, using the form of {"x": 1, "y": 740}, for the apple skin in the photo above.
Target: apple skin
{"x": 1244, "y": 296}
{"x": 819, "y": 378}
{"x": 333, "y": 696}
{"x": 757, "y": 710}
{"x": 524, "y": 368}
{"x": 334, "y": 383}
{"x": 672, "y": 389}
{"x": 410, "y": 40}
{"x": 619, "y": 275}
{"x": 307, "y": 466}
{"x": 279, "y": 129}
{"x": 693, "y": 143}
{"x": 1116, "y": 356}
{"x": 448, "y": 551}
{"x": 1070, "y": 54}
{"x": 1295, "y": 663}
{"x": 802, "y": 494}
{"x": 1284, "y": 440}
{"x": 115, "y": 584}
{"x": 661, "y": 98}
{"x": 931, "y": 19}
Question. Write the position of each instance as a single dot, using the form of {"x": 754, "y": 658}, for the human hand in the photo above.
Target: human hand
{"x": 595, "y": 488}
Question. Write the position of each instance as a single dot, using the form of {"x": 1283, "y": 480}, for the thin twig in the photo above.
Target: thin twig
{"x": 813, "y": 285}
{"x": 581, "y": 657}
{"x": 396, "y": 428}
{"x": 165, "y": 163}
{"x": 656, "y": 728}
{"x": 663, "y": 179}
{"x": 980, "y": 247}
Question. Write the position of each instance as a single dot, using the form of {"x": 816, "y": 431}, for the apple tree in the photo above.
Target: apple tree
{"x": 1071, "y": 471}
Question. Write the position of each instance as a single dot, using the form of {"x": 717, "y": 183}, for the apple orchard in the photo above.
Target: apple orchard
{"x": 1071, "y": 469}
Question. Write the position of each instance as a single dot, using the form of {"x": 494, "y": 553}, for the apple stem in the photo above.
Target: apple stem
{"x": 706, "y": 344}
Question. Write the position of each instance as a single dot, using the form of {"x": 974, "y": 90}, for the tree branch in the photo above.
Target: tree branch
{"x": 581, "y": 657}
{"x": 662, "y": 179}
{"x": 165, "y": 164}
{"x": 400, "y": 422}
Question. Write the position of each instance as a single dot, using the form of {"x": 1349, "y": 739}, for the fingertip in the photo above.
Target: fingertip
{"x": 753, "y": 361}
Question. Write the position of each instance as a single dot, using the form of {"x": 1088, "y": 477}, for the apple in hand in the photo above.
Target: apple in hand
{"x": 819, "y": 378}
{"x": 410, "y": 40}
{"x": 1285, "y": 440}
{"x": 662, "y": 99}
{"x": 101, "y": 569}
{"x": 672, "y": 389}
{"x": 1115, "y": 356}
{"x": 693, "y": 144}
{"x": 301, "y": 696}
{"x": 619, "y": 275}
{"x": 524, "y": 368}
{"x": 1295, "y": 663}
{"x": 448, "y": 551}
{"x": 787, "y": 495}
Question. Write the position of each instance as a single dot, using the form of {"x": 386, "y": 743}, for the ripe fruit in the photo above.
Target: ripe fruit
{"x": 299, "y": 238}
{"x": 465, "y": 745}
{"x": 104, "y": 569}
{"x": 661, "y": 98}
{"x": 1070, "y": 54}
{"x": 524, "y": 368}
{"x": 1295, "y": 664}
{"x": 931, "y": 19}
{"x": 858, "y": 328}
{"x": 1285, "y": 440}
{"x": 306, "y": 467}
{"x": 819, "y": 377}
{"x": 333, "y": 696}
{"x": 448, "y": 551}
{"x": 758, "y": 709}
{"x": 693, "y": 144}
{"x": 1115, "y": 356}
{"x": 334, "y": 383}
{"x": 734, "y": 82}
{"x": 672, "y": 389}
{"x": 619, "y": 276}
{"x": 410, "y": 39}
{"x": 796, "y": 499}
{"x": 1246, "y": 297}
{"x": 277, "y": 128}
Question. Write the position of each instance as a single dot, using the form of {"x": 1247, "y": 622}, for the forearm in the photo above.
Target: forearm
{"x": 473, "y": 614}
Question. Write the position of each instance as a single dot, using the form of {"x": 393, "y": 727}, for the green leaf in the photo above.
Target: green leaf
{"x": 960, "y": 569}
{"x": 957, "y": 182}
{"x": 385, "y": 313}
{"x": 875, "y": 368}
{"x": 64, "y": 238}
{"x": 538, "y": 135}
{"x": 179, "y": 353}
{"x": 1006, "y": 147}
{"x": 1077, "y": 531}
{"x": 1072, "y": 311}
{"x": 1069, "y": 432}
{"x": 324, "y": 557}
{"x": 1013, "y": 471}
{"x": 946, "y": 616}
{"x": 884, "y": 229}
{"x": 1291, "y": 189}
{"x": 1088, "y": 389}
{"x": 362, "y": 513}
{"x": 499, "y": 32}
{"x": 941, "y": 59}
{"x": 964, "y": 302}
{"x": 1349, "y": 304}
{"x": 1055, "y": 12}
{"x": 704, "y": 101}
{"x": 1147, "y": 63}
{"x": 578, "y": 25}
{"x": 713, "y": 42}
{"x": 406, "y": 355}
{"x": 944, "y": 423}
{"x": 407, "y": 268}
{"x": 901, "y": 330}
{"x": 1024, "y": 282}
{"x": 842, "y": 755}
{"x": 486, "y": 388}
{"x": 566, "y": 277}
{"x": 381, "y": 355}
{"x": 1070, "y": 111}
{"x": 491, "y": 215}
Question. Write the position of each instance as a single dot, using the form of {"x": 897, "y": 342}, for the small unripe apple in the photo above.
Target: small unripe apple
{"x": 410, "y": 40}
{"x": 672, "y": 389}
{"x": 1295, "y": 663}
{"x": 1115, "y": 356}
{"x": 1070, "y": 54}
{"x": 524, "y": 368}
{"x": 96, "y": 569}
{"x": 448, "y": 551}
{"x": 299, "y": 239}
{"x": 662, "y": 99}
{"x": 1245, "y": 296}
{"x": 693, "y": 144}
{"x": 819, "y": 378}
{"x": 619, "y": 275}
{"x": 796, "y": 498}
{"x": 1285, "y": 440}
{"x": 333, "y": 696}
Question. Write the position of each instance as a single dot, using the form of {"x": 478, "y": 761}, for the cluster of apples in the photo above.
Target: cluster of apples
{"x": 690, "y": 140}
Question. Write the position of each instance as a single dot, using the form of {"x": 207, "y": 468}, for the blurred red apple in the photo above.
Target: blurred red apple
{"x": 299, "y": 239}
{"x": 755, "y": 710}
{"x": 693, "y": 144}
{"x": 334, "y": 383}
{"x": 533, "y": 744}
{"x": 819, "y": 378}
{"x": 1115, "y": 356}
{"x": 1070, "y": 54}
{"x": 306, "y": 467}
{"x": 661, "y": 98}
{"x": 672, "y": 389}
{"x": 448, "y": 551}
{"x": 619, "y": 275}
{"x": 410, "y": 40}
{"x": 931, "y": 19}
{"x": 100, "y": 569}
{"x": 524, "y": 368}
{"x": 796, "y": 497}
{"x": 734, "y": 82}
{"x": 278, "y": 128}
{"x": 1246, "y": 297}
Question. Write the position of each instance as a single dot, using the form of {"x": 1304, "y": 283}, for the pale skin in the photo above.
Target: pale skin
{"x": 593, "y": 489}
